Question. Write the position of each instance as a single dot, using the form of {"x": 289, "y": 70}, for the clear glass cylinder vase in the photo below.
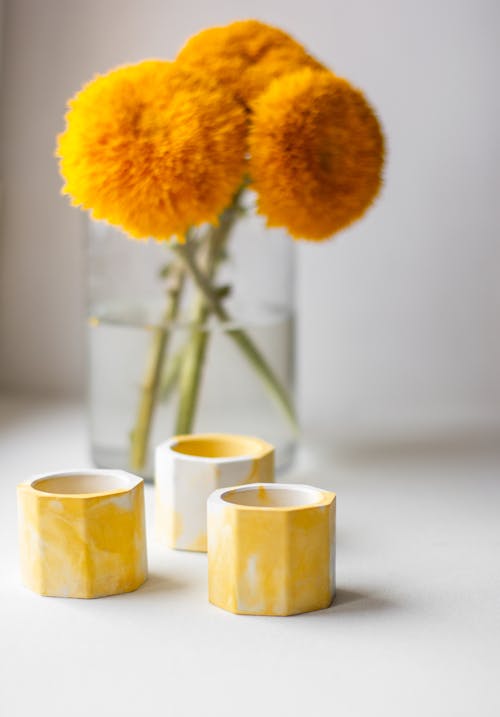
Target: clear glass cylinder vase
{"x": 128, "y": 285}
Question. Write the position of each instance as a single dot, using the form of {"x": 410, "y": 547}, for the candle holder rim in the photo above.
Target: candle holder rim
{"x": 324, "y": 497}
{"x": 260, "y": 450}
{"x": 129, "y": 482}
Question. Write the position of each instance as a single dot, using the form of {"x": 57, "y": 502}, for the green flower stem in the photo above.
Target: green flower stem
{"x": 267, "y": 375}
{"x": 191, "y": 370}
{"x": 240, "y": 337}
{"x": 171, "y": 374}
{"x": 139, "y": 437}
{"x": 194, "y": 355}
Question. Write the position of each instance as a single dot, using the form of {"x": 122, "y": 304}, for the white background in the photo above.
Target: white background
{"x": 399, "y": 316}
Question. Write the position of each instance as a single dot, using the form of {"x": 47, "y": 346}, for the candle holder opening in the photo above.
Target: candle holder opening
{"x": 84, "y": 483}
{"x": 219, "y": 446}
{"x": 273, "y": 496}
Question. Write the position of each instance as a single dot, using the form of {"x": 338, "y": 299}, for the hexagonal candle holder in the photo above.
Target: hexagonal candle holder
{"x": 189, "y": 468}
{"x": 82, "y": 534}
{"x": 271, "y": 549}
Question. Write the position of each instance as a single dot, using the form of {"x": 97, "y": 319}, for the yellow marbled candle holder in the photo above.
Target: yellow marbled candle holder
{"x": 271, "y": 549}
{"x": 82, "y": 534}
{"x": 189, "y": 468}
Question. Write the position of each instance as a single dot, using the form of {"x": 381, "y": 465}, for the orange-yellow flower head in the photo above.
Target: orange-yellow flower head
{"x": 245, "y": 56}
{"x": 316, "y": 154}
{"x": 152, "y": 149}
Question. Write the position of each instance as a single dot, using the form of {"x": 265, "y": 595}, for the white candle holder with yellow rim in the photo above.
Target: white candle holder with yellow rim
{"x": 271, "y": 549}
{"x": 82, "y": 533}
{"x": 189, "y": 468}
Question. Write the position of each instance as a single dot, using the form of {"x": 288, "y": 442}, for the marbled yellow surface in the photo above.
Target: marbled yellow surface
{"x": 82, "y": 546}
{"x": 189, "y": 468}
{"x": 269, "y": 560}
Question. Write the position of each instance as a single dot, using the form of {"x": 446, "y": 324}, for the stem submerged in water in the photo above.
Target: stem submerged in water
{"x": 240, "y": 337}
{"x": 194, "y": 357}
{"x": 139, "y": 437}
{"x": 191, "y": 373}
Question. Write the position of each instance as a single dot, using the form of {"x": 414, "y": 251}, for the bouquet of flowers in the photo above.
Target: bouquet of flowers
{"x": 166, "y": 150}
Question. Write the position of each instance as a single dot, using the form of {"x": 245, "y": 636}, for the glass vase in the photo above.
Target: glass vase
{"x": 131, "y": 337}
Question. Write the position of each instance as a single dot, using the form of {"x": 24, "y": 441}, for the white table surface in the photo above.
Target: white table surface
{"x": 414, "y": 631}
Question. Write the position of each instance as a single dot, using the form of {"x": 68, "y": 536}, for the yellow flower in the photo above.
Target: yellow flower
{"x": 152, "y": 149}
{"x": 316, "y": 154}
{"x": 245, "y": 56}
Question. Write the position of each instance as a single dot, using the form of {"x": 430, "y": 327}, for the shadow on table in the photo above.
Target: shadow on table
{"x": 157, "y": 583}
{"x": 357, "y": 601}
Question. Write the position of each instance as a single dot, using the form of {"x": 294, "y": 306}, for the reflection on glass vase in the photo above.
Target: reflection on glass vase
{"x": 165, "y": 357}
